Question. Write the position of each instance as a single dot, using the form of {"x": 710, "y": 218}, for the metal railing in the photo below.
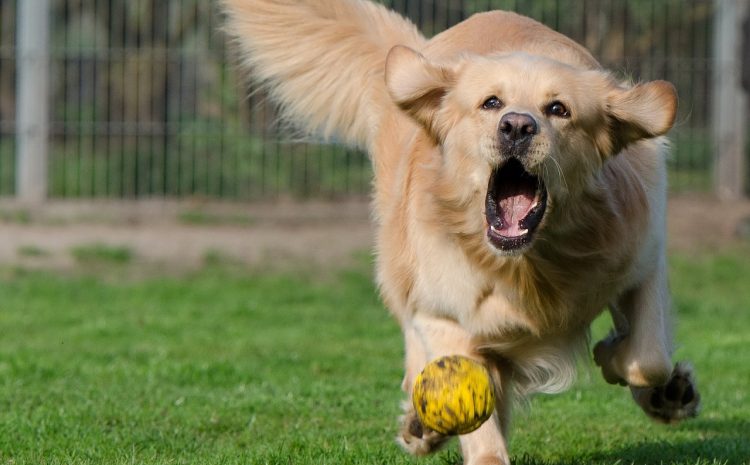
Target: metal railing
{"x": 145, "y": 100}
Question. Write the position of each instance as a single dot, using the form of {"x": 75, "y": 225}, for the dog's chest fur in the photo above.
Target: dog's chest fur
{"x": 557, "y": 288}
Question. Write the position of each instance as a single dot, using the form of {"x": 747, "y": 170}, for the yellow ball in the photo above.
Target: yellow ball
{"x": 453, "y": 395}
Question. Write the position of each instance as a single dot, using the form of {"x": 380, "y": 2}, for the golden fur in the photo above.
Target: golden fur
{"x": 353, "y": 71}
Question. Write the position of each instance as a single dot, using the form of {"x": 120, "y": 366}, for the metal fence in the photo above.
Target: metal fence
{"x": 146, "y": 102}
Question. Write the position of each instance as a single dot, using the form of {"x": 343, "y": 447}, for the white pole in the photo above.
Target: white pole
{"x": 730, "y": 106}
{"x": 32, "y": 116}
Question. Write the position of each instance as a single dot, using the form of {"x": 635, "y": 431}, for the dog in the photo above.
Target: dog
{"x": 519, "y": 191}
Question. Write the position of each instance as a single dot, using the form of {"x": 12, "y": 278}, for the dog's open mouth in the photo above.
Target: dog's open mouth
{"x": 515, "y": 205}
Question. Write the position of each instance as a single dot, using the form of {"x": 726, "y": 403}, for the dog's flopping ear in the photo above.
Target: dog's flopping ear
{"x": 417, "y": 86}
{"x": 641, "y": 112}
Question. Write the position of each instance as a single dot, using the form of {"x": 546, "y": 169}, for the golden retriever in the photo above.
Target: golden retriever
{"x": 519, "y": 191}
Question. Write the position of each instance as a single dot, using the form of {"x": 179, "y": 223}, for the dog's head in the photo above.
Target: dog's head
{"x": 520, "y": 132}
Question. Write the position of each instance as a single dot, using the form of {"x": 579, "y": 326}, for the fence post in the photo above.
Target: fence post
{"x": 730, "y": 105}
{"x": 33, "y": 100}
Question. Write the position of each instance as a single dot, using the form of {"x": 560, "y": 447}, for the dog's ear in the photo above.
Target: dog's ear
{"x": 417, "y": 86}
{"x": 644, "y": 111}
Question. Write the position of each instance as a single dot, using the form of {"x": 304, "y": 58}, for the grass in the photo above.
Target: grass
{"x": 31, "y": 251}
{"x": 102, "y": 254}
{"x": 15, "y": 215}
{"x": 228, "y": 367}
{"x": 203, "y": 218}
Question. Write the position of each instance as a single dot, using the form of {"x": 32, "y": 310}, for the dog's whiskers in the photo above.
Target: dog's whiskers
{"x": 563, "y": 181}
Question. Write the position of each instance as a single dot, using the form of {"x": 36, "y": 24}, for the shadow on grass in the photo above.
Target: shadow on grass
{"x": 721, "y": 449}
{"x": 721, "y": 442}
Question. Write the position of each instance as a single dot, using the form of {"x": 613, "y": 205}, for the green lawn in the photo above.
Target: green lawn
{"x": 229, "y": 367}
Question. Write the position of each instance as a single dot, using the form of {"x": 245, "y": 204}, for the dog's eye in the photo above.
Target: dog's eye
{"x": 557, "y": 108}
{"x": 492, "y": 103}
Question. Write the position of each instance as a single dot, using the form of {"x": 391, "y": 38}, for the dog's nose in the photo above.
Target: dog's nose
{"x": 517, "y": 127}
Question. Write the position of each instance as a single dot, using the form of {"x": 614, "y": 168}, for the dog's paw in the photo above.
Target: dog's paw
{"x": 604, "y": 350}
{"x": 675, "y": 401}
{"x": 416, "y": 438}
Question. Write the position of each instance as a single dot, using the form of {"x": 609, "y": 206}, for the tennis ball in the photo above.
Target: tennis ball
{"x": 453, "y": 395}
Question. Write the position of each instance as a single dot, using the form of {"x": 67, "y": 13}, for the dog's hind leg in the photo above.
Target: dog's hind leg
{"x": 428, "y": 338}
{"x": 637, "y": 353}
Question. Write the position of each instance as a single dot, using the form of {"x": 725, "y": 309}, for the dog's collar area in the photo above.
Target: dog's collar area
{"x": 514, "y": 207}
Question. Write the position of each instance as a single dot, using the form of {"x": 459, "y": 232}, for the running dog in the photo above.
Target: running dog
{"x": 519, "y": 191}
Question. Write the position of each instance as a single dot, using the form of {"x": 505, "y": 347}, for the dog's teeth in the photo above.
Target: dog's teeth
{"x": 494, "y": 229}
{"x": 524, "y": 231}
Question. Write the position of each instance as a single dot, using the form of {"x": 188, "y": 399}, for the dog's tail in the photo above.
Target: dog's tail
{"x": 321, "y": 60}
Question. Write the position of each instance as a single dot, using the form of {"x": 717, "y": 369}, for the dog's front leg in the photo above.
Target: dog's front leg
{"x": 638, "y": 352}
{"x": 428, "y": 338}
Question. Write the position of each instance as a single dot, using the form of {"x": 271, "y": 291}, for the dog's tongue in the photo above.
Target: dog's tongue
{"x": 514, "y": 208}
